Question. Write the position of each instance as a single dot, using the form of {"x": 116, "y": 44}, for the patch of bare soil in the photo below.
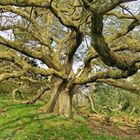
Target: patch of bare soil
{"x": 100, "y": 124}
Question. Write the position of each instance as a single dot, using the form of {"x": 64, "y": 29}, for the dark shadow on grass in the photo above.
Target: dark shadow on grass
{"x": 20, "y": 106}
{"x": 16, "y": 128}
{"x": 33, "y": 117}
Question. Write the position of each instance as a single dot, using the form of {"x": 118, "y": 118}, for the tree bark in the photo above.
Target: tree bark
{"x": 56, "y": 87}
{"x": 61, "y": 99}
{"x": 65, "y": 103}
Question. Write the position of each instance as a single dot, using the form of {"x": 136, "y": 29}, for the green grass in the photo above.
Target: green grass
{"x": 21, "y": 122}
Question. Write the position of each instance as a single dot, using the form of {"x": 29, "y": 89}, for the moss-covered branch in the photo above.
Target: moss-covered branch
{"x": 106, "y": 54}
{"x": 25, "y": 3}
{"x": 121, "y": 84}
{"x": 114, "y": 74}
{"x": 19, "y": 62}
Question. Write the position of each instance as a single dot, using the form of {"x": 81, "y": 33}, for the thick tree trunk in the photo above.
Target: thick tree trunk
{"x": 61, "y": 100}
{"x": 61, "y": 97}
{"x": 56, "y": 88}
{"x": 65, "y": 103}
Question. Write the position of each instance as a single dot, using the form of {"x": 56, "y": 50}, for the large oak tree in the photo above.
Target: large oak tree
{"x": 76, "y": 41}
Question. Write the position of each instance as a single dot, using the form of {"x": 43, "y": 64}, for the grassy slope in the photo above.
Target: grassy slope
{"x": 21, "y": 122}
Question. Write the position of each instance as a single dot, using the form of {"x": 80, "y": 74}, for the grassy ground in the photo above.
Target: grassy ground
{"x": 22, "y": 122}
